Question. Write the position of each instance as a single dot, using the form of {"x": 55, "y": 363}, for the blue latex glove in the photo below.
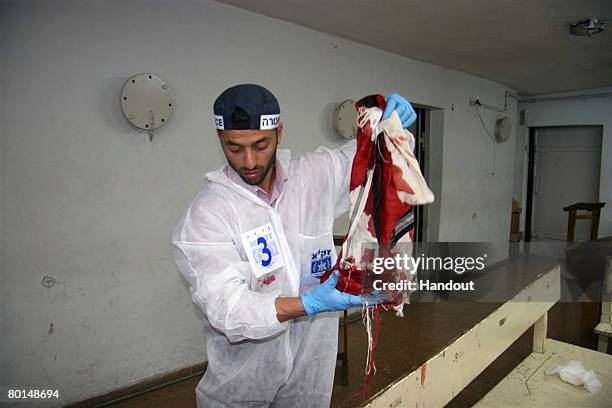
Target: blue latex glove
{"x": 326, "y": 298}
{"x": 396, "y": 102}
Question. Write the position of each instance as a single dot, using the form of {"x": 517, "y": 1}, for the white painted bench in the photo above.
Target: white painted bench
{"x": 529, "y": 386}
{"x": 442, "y": 377}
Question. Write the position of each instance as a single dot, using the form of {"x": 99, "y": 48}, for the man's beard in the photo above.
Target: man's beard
{"x": 264, "y": 171}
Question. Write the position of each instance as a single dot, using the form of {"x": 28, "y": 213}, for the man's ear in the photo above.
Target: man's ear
{"x": 279, "y": 133}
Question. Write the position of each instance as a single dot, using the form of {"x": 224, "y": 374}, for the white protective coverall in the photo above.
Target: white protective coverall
{"x": 253, "y": 359}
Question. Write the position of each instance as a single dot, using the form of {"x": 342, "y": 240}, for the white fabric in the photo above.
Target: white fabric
{"x": 574, "y": 373}
{"x": 397, "y": 140}
{"x": 252, "y": 357}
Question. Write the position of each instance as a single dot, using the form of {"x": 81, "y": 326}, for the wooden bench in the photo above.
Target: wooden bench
{"x": 437, "y": 381}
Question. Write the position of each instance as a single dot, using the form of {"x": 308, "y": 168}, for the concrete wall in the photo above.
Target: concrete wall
{"x": 91, "y": 299}
{"x": 569, "y": 112}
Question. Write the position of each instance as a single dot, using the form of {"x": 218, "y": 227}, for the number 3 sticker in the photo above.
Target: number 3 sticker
{"x": 262, "y": 249}
{"x": 266, "y": 251}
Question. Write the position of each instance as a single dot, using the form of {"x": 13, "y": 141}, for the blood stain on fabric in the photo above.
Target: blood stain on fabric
{"x": 269, "y": 280}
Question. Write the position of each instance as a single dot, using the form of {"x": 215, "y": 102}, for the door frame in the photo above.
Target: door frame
{"x": 530, "y": 179}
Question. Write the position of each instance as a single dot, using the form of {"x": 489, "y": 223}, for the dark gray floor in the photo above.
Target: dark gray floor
{"x": 405, "y": 343}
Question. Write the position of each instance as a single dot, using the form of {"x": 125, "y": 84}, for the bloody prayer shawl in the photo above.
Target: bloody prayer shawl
{"x": 386, "y": 182}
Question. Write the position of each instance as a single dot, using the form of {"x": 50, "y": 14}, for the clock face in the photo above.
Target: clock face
{"x": 146, "y": 101}
{"x": 345, "y": 119}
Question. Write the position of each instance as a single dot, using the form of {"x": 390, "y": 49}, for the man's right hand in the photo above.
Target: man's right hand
{"x": 326, "y": 298}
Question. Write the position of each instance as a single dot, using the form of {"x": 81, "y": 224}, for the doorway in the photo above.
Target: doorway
{"x": 564, "y": 168}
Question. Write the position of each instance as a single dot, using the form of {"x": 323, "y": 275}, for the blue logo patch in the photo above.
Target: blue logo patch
{"x": 320, "y": 261}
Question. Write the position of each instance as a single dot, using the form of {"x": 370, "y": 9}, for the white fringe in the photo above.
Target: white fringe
{"x": 367, "y": 322}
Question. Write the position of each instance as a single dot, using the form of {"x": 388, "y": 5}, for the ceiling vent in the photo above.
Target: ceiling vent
{"x": 588, "y": 27}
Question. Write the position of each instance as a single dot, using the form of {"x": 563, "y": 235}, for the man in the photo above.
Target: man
{"x": 253, "y": 244}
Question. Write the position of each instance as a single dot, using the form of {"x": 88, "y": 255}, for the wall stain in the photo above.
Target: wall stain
{"x": 48, "y": 281}
{"x": 51, "y": 330}
{"x": 336, "y": 48}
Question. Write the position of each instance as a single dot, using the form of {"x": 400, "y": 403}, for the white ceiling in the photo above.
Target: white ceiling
{"x": 524, "y": 44}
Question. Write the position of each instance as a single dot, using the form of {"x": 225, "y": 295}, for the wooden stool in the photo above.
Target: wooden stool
{"x": 594, "y": 208}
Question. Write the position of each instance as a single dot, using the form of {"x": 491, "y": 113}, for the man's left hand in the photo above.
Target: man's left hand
{"x": 396, "y": 102}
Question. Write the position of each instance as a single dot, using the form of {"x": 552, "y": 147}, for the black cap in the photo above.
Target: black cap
{"x": 246, "y": 106}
